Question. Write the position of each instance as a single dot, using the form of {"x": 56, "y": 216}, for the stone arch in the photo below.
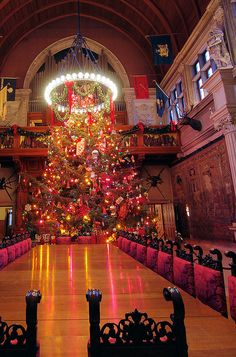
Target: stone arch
{"x": 66, "y": 43}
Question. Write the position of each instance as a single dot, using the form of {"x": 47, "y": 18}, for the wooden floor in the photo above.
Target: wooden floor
{"x": 64, "y": 273}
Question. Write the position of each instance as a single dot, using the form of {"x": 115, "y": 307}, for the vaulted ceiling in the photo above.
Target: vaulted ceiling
{"x": 135, "y": 19}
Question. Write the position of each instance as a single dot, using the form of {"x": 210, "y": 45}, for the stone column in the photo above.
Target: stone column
{"x": 229, "y": 7}
{"x": 129, "y": 99}
{"x": 229, "y": 130}
{"x": 17, "y": 110}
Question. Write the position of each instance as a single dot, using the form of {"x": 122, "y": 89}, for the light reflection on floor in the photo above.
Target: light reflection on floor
{"x": 65, "y": 273}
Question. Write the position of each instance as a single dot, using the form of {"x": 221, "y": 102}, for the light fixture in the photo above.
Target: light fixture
{"x": 81, "y": 87}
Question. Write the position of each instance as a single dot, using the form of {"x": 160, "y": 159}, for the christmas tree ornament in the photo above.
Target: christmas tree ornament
{"x": 95, "y": 154}
{"x": 80, "y": 145}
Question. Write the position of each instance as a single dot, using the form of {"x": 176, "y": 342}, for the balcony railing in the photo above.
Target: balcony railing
{"x": 26, "y": 141}
{"x": 23, "y": 141}
{"x": 139, "y": 143}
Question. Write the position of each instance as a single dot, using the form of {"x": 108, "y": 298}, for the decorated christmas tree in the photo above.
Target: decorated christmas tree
{"x": 90, "y": 180}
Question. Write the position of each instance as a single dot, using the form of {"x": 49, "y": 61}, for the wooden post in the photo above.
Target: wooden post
{"x": 172, "y": 294}
{"x": 94, "y": 298}
{"x": 32, "y": 298}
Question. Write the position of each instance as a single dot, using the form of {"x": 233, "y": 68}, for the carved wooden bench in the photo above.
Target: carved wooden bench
{"x": 15, "y": 339}
{"x": 137, "y": 334}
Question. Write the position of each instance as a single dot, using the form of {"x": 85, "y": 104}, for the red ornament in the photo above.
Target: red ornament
{"x": 141, "y": 126}
{"x": 14, "y": 127}
{"x": 112, "y": 111}
{"x": 69, "y": 95}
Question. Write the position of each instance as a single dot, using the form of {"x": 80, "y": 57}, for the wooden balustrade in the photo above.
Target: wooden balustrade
{"x": 25, "y": 142}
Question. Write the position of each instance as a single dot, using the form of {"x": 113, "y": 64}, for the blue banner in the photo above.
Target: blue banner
{"x": 161, "y": 99}
{"x": 162, "y": 49}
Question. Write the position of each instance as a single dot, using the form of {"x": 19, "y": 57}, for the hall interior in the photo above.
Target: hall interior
{"x": 117, "y": 165}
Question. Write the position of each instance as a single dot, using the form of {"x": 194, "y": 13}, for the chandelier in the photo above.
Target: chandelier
{"x": 81, "y": 87}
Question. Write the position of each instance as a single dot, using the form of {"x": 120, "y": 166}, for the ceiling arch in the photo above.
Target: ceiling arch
{"x": 66, "y": 43}
{"x": 134, "y": 18}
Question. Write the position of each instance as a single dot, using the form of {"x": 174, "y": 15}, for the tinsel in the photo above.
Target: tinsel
{"x": 32, "y": 134}
{"x": 148, "y": 130}
{"x": 6, "y": 132}
{"x": 11, "y": 131}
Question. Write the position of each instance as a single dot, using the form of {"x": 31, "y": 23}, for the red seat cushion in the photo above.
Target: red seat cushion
{"x": 119, "y": 241}
{"x": 184, "y": 275}
{"x": 24, "y": 246}
{"x": 3, "y": 258}
{"x": 11, "y": 251}
{"x": 133, "y": 249}
{"x": 210, "y": 288}
{"x": 124, "y": 240}
{"x": 152, "y": 256}
{"x": 165, "y": 265}
{"x": 21, "y": 247}
{"x": 18, "y": 249}
{"x": 141, "y": 253}
{"x": 126, "y": 245}
{"x": 232, "y": 296}
{"x": 29, "y": 242}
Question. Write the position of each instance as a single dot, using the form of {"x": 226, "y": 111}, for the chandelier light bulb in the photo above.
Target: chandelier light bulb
{"x": 76, "y": 78}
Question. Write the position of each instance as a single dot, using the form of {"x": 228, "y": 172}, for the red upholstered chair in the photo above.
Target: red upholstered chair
{"x": 29, "y": 241}
{"x": 152, "y": 256}
{"x": 209, "y": 280}
{"x": 3, "y": 257}
{"x": 21, "y": 247}
{"x": 24, "y": 246}
{"x": 232, "y": 284}
{"x": 183, "y": 269}
{"x": 18, "y": 249}
{"x": 126, "y": 245}
{"x": 165, "y": 260}
{"x": 123, "y": 244}
{"x": 141, "y": 252}
{"x": 133, "y": 249}
{"x": 11, "y": 251}
{"x": 152, "y": 253}
{"x": 119, "y": 241}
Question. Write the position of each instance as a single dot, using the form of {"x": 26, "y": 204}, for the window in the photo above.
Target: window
{"x": 207, "y": 55}
{"x": 176, "y": 103}
{"x": 209, "y": 72}
{"x": 197, "y": 67}
{"x": 202, "y": 69}
{"x": 200, "y": 89}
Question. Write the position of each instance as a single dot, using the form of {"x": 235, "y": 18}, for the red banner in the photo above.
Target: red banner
{"x": 141, "y": 87}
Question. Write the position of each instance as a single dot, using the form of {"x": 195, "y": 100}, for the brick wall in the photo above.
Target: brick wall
{"x": 203, "y": 182}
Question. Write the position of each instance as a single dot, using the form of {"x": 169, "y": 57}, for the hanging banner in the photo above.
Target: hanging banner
{"x": 141, "y": 87}
{"x": 162, "y": 49}
{"x": 161, "y": 99}
{"x": 10, "y": 83}
{"x": 3, "y": 103}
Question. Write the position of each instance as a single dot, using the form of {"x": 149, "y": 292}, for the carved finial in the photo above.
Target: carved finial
{"x": 94, "y": 295}
{"x": 33, "y": 295}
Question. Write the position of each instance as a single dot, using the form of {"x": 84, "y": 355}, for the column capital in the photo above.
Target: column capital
{"x": 227, "y": 124}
